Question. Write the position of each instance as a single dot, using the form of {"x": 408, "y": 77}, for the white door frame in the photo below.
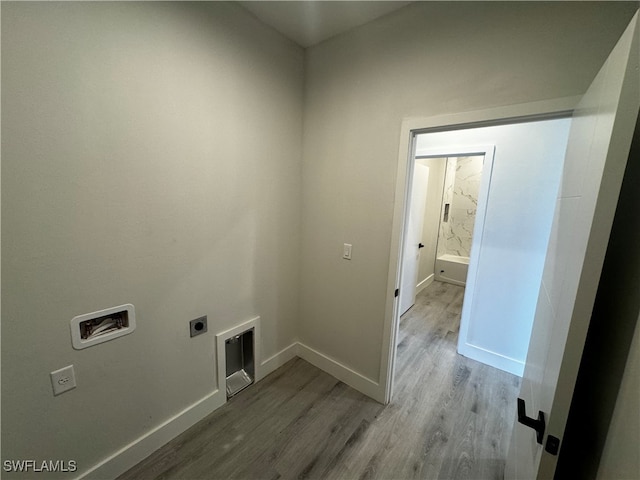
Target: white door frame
{"x": 488, "y": 152}
{"x": 406, "y": 156}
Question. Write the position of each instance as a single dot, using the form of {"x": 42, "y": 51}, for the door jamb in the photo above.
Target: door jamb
{"x": 411, "y": 126}
{"x": 488, "y": 154}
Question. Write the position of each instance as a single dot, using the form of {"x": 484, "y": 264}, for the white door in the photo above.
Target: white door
{"x": 597, "y": 153}
{"x": 411, "y": 258}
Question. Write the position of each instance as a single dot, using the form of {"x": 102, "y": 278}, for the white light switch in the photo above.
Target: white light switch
{"x": 63, "y": 380}
{"x": 346, "y": 251}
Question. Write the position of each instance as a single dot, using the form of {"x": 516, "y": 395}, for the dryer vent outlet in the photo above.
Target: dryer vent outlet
{"x": 240, "y": 362}
{"x": 198, "y": 326}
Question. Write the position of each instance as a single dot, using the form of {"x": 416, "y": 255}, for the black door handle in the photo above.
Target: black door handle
{"x": 538, "y": 425}
{"x": 421, "y": 245}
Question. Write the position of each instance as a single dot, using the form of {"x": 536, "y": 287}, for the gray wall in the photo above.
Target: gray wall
{"x": 427, "y": 59}
{"x": 151, "y": 154}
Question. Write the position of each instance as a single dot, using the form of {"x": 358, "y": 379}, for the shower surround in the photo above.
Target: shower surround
{"x": 462, "y": 184}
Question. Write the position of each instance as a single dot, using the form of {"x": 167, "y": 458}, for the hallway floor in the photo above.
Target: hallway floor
{"x": 450, "y": 417}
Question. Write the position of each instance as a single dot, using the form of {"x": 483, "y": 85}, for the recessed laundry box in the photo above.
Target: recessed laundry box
{"x": 240, "y": 362}
{"x": 98, "y": 327}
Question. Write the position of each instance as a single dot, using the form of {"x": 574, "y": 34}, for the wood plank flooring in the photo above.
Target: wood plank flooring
{"x": 450, "y": 417}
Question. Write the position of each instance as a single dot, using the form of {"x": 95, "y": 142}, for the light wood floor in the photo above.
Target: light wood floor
{"x": 450, "y": 417}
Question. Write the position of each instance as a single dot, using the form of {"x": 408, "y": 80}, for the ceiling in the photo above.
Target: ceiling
{"x": 309, "y": 22}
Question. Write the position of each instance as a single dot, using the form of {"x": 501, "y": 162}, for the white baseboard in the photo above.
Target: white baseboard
{"x": 136, "y": 451}
{"x": 341, "y": 372}
{"x": 442, "y": 278}
{"x": 425, "y": 283}
{"x": 507, "y": 364}
{"x": 274, "y": 362}
{"x": 133, "y": 453}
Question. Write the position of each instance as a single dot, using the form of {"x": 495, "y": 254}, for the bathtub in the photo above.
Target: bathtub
{"x": 452, "y": 269}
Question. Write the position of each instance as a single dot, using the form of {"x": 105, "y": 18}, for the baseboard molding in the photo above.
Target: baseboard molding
{"x": 142, "y": 447}
{"x": 492, "y": 359}
{"x": 341, "y": 372}
{"x": 274, "y": 362}
{"x": 452, "y": 281}
{"x": 136, "y": 451}
{"x": 425, "y": 283}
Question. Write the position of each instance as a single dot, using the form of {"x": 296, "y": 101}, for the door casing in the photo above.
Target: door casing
{"x": 411, "y": 126}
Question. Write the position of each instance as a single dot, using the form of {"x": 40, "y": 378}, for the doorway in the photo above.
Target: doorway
{"x": 445, "y": 198}
{"x": 529, "y": 151}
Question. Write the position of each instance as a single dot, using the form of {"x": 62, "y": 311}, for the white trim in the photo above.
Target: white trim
{"x": 488, "y": 152}
{"x": 274, "y": 362}
{"x": 410, "y": 126}
{"x": 451, "y": 281}
{"x": 506, "y": 114}
{"x": 476, "y": 246}
{"x": 425, "y": 283}
{"x": 341, "y": 372}
{"x": 136, "y": 451}
{"x": 454, "y": 151}
{"x": 508, "y": 364}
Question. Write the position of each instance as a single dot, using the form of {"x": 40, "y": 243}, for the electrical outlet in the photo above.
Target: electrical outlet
{"x": 63, "y": 380}
{"x": 198, "y": 326}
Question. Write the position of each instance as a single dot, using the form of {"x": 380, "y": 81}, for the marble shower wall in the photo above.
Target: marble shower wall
{"x": 461, "y": 187}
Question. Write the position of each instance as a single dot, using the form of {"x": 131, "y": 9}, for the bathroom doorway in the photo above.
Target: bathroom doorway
{"x": 444, "y": 203}
{"x": 442, "y": 223}
{"x": 519, "y": 182}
